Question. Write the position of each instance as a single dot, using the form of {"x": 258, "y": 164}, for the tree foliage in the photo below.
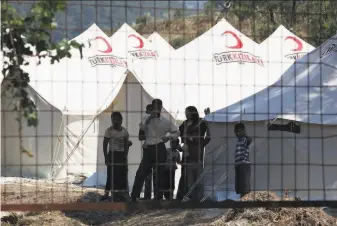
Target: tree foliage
{"x": 315, "y": 20}
{"x": 178, "y": 13}
{"x": 24, "y": 36}
{"x": 180, "y": 41}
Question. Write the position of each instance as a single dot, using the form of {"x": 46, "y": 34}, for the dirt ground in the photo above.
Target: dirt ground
{"x": 65, "y": 193}
{"x": 41, "y": 192}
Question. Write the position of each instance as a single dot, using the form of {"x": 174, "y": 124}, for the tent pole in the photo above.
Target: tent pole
{"x": 83, "y": 134}
{"x": 75, "y": 147}
{"x": 57, "y": 147}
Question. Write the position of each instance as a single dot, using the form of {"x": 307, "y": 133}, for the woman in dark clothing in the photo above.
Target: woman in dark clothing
{"x": 194, "y": 136}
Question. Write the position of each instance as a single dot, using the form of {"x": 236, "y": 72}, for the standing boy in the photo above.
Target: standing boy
{"x": 117, "y": 138}
{"x": 242, "y": 163}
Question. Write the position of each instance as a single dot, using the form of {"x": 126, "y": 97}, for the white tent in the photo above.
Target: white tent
{"x": 220, "y": 67}
{"x": 131, "y": 100}
{"x": 83, "y": 92}
{"x": 61, "y": 90}
{"x": 304, "y": 162}
{"x": 163, "y": 48}
{"x": 281, "y": 49}
{"x": 40, "y": 140}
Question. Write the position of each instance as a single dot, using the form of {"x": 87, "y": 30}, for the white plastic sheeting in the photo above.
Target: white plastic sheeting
{"x": 281, "y": 49}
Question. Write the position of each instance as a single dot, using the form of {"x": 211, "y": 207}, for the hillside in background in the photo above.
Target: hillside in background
{"x": 179, "y": 22}
{"x": 314, "y": 21}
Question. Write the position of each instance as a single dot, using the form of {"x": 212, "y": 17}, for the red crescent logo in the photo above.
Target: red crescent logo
{"x": 141, "y": 43}
{"x": 238, "y": 40}
{"x": 298, "y": 42}
{"x": 109, "y": 48}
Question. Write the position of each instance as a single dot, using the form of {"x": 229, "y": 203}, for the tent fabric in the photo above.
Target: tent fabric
{"x": 42, "y": 141}
{"x": 217, "y": 69}
{"x": 302, "y": 163}
{"x": 88, "y": 90}
{"x": 131, "y": 101}
{"x": 79, "y": 86}
{"x": 163, "y": 48}
{"x": 306, "y": 92}
{"x": 281, "y": 49}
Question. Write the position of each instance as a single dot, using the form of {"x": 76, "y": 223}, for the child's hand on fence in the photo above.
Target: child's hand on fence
{"x": 207, "y": 111}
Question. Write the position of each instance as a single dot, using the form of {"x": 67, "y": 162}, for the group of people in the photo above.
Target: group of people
{"x": 161, "y": 154}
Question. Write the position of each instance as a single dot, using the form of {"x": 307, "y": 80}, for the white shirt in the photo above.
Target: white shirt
{"x": 157, "y": 129}
{"x": 116, "y": 138}
{"x": 143, "y": 122}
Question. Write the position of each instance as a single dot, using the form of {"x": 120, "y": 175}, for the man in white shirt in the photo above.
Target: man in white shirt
{"x": 157, "y": 131}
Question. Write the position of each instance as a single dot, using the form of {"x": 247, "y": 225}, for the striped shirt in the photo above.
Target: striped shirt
{"x": 242, "y": 151}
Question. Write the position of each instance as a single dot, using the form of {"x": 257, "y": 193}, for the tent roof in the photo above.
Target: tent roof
{"x": 306, "y": 92}
{"x": 211, "y": 71}
{"x": 130, "y": 41}
{"x": 163, "y": 48}
{"x": 281, "y": 49}
{"x": 89, "y": 33}
{"x": 232, "y": 39}
{"x": 82, "y": 86}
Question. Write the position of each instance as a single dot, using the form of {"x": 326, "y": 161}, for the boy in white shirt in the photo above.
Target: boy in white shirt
{"x": 115, "y": 148}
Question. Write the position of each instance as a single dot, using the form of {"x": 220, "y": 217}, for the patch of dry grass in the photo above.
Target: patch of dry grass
{"x": 274, "y": 216}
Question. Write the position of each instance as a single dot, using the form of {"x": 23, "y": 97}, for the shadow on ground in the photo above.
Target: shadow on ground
{"x": 145, "y": 217}
{"x": 93, "y": 217}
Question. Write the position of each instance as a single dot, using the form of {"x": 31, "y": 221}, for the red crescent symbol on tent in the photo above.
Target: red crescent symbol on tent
{"x": 238, "y": 40}
{"x": 141, "y": 43}
{"x": 298, "y": 42}
{"x": 109, "y": 48}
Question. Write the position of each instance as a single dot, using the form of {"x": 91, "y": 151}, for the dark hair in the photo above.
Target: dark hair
{"x": 195, "y": 114}
{"x": 116, "y": 114}
{"x": 239, "y": 125}
{"x": 157, "y": 102}
{"x": 148, "y": 107}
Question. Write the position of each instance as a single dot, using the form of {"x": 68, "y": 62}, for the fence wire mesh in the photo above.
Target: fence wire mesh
{"x": 259, "y": 78}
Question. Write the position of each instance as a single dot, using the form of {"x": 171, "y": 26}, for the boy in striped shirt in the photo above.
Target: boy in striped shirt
{"x": 242, "y": 163}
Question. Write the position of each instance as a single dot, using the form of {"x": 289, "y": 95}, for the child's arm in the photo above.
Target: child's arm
{"x": 127, "y": 143}
{"x": 105, "y": 145}
{"x": 126, "y": 146}
{"x": 105, "y": 148}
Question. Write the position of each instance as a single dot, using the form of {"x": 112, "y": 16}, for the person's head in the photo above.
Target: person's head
{"x": 157, "y": 106}
{"x": 192, "y": 113}
{"x": 148, "y": 109}
{"x": 240, "y": 129}
{"x": 116, "y": 119}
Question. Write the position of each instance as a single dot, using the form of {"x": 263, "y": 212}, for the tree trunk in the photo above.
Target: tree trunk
{"x": 271, "y": 14}
{"x": 293, "y": 14}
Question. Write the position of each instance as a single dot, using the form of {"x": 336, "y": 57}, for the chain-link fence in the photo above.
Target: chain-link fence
{"x": 247, "y": 107}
